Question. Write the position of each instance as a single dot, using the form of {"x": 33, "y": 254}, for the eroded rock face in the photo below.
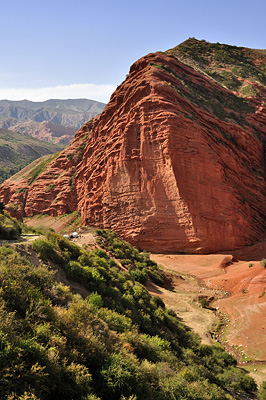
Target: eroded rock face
{"x": 160, "y": 169}
{"x": 48, "y": 184}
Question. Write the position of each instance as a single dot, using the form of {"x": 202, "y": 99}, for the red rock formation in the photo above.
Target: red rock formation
{"x": 161, "y": 166}
{"x": 48, "y": 184}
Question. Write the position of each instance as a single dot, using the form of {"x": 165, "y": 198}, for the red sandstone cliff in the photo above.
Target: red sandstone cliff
{"x": 170, "y": 164}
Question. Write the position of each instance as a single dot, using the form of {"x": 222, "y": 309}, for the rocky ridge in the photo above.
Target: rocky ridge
{"x": 175, "y": 162}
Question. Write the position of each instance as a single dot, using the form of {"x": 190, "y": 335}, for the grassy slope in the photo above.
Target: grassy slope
{"x": 239, "y": 69}
{"x": 18, "y": 150}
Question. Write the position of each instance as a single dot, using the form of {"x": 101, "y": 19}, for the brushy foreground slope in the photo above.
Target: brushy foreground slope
{"x": 116, "y": 343}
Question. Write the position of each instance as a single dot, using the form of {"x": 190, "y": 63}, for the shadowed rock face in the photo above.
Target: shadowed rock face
{"x": 175, "y": 162}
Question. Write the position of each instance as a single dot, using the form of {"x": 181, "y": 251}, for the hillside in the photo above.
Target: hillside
{"x": 45, "y": 131}
{"x": 79, "y": 324}
{"x": 51, "y": 120}
{"x": 239, "y": 69}
{"x": 18, "y": 150}
{"x": 175, "y": 162}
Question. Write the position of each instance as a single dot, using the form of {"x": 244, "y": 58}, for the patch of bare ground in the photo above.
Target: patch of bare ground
{"x": 183, "y": 298}
{"x": 65, "y": 224}
{"x": 61, "y": 224}
{"x": 238, "y": 284}
{"x": 257, "y": 372}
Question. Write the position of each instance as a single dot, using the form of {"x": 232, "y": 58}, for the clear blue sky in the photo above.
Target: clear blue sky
{"x": 79, "y": 48}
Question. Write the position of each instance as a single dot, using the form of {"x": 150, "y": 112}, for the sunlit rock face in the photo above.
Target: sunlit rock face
{"x": 174, "y": 163}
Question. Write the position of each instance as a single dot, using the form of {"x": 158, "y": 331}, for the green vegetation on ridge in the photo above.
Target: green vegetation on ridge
{"x": 17, "y": 150}
{"x": 117, "y": 343}
{"x": 222, "y": 105}
{"x": 40, "y": 168}
{"x": 228, "y": 65}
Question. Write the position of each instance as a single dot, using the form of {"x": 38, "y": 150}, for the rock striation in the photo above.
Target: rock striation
{"x": 174, "y": 163}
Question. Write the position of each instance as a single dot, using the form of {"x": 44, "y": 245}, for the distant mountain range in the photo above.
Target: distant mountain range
{"x": 51, "y": 120}
{"x": 18, "y": 150}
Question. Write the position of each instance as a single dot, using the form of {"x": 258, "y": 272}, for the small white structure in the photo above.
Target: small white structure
{"x": 74, "y": 235}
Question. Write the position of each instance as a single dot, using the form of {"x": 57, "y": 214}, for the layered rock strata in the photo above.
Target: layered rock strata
{"x": 175, "y": 162}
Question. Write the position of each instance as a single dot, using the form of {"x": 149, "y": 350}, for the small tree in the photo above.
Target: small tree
{"x": 2, "y": 207}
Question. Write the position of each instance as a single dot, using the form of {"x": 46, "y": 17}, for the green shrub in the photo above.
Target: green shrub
{"x": 138, "y": 263}
{"x": 249, "y": 91}
{"x": 25, "y": 396}
{"x": 46, "y": 251}
{"x": 115, "y": 321}
{"x": 262, "y": 391}
{"x": 75, "y": 271}
{"x": 95, "y": 300}
{"x": 138, "y": 275}
{"x": 120, "y": 376}
{"x": 205, "y": 303}
{"x": 65, "y": 245}
{"x": 9, "y": 227}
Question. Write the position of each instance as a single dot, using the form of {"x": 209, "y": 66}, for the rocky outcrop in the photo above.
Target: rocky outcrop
{"x": 175, "y": 162}
{"x": 48, "y": 184}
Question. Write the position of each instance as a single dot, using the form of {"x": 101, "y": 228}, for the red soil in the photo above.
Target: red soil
{"x": 242, "y": 300}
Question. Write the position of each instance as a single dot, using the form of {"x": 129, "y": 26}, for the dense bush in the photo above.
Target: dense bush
{"x": 9, "y": 227}
{"x": 140, "y": 266}
{"x": 262, "y": 392}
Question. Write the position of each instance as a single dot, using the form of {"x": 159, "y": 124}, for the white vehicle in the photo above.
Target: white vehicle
{"x": 74, "y": 235}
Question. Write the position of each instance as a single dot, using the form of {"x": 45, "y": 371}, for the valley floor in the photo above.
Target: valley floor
{"x": 239, "y": 301}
